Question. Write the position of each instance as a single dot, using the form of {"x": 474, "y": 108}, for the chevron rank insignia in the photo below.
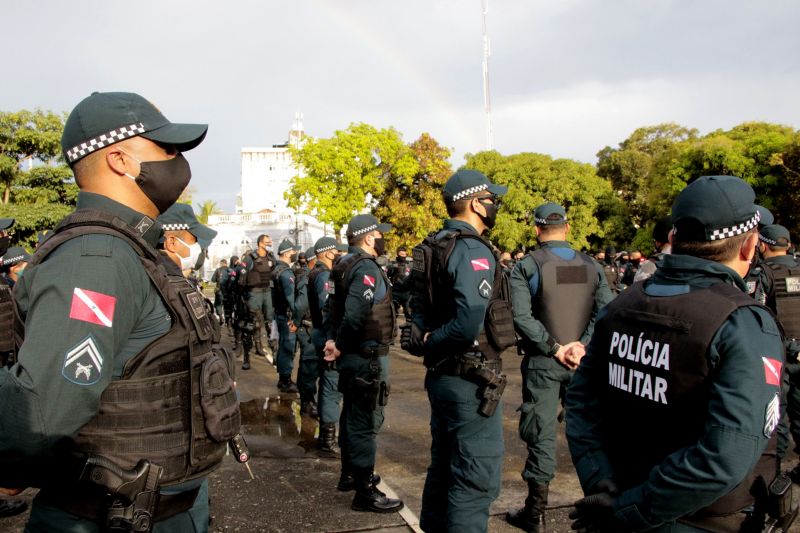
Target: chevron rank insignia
{"x": 485, "y": 288}
{"x": 772, "y": 416}
{"x": 83, "y": 364}
{"x": 368, "y": 295}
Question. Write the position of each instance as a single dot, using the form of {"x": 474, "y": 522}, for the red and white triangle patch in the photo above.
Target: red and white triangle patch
{"x": 369, "y": 280}
{"x": 772, "y": 371}
{"x": 480, "y": 264}
{"x": 94, "y": 307}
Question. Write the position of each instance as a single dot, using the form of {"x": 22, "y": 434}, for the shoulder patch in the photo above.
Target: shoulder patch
{"x": 94, "y": 307}
{"x": 369, "y": 281}
{"x": 772, "y": 371}
{"x": 481, "y": 263}
{"x": 772, "y": 415}
{"x": 83, "y": 364}
{"x": 485, "y": 289}
{"x": 368, "y": 295}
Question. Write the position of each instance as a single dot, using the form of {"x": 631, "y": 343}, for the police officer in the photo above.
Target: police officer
{"x": 400, "y": 276}
{"x": 326, "y": 250}
{"x": 361, "y": 327}
{"x": 243, "y": 319}
{"x": 611, "y": 268}
{"x": 778, "y": 287}
{"x": 219, "y": 277}
{"x": 12, "y": 263}
{"x": 257, "y": 267}
{"x": 453, "y": 331}
{"x": 308, "y": 372}
{"x": 671, "y": 415}
{"x": 107, "y": 334}
{"x": 286, "y": 314}
{"x": 557, "y": 293}
{"x": 661, "y": 242}
{"x": 7, "y": 345}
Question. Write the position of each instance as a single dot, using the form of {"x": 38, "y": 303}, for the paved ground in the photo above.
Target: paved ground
{"x": 294, "y": 489}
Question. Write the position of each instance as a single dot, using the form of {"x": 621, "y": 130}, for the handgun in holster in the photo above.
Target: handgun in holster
{"x": 491, "y": 393}
{"x": 132, "y": 494}
{"x": 369, "y": 391}
{"x": 780, "y": 509}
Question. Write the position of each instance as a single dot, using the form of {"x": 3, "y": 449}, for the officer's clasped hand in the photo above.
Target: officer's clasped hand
{"x": 412, "y": 339}
{"x": 594, "y": 514}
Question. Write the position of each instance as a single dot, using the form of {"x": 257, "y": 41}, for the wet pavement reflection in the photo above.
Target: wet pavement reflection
{"x": 275, "y": 427}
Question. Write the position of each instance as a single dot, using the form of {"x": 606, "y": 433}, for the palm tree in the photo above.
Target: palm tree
{"x": 206, "y": 209}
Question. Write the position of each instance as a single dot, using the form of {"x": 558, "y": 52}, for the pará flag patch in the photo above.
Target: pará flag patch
{"x": 480, "y": 264}
{"x": 94, "y": 307}
{"x": 369, "y": 280}
{"x": 772, "y": 371}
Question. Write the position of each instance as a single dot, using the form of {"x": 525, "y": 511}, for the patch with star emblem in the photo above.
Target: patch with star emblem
{"x": 485, "y": 289}
{"x": 83, "y": 364}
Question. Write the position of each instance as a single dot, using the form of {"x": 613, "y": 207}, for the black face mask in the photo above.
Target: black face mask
{"x": 380, "y": 246}
{"x": 635, "y": 262}
{"x": 163, "y": 181}
{"x": 5, "y": 242}
{"x": 401, "y": 259}
{"x": 490, "y": 218}
{"x": 293, "y": 258}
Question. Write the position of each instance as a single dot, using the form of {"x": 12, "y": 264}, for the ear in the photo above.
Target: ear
{"x": 170, "y": 243}
{"x": 566, "y": 231}
{"x": 748, "y": 248}
{"x": 119, "y": 162}
{"x": 538, "y": 231}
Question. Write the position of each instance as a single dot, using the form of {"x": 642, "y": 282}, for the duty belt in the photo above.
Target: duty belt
{"x": 375, "y": 351}
{"x": 464, "y": 365}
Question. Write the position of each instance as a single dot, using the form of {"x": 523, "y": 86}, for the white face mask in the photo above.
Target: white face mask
{"x": 188, "y": 263}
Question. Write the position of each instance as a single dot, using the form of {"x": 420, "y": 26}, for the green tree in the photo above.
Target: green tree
{"x": 533, "y": 179}
{"x": 38, "y": 188}
{"x": 26, "y": 137}
{"x": 206, "y": 209}
{"x": 347, "y": 173}
{"x": 413, "y": 203}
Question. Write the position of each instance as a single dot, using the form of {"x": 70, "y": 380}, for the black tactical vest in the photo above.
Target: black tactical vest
{"x": 7, "y": 344}
{"x": 301, "y": 281}
{"x": 175, "y": 403}
{"x": 612, "y": 276}
{"x": 279, "y": 301}
{"x": 433, "y": 289}
{"x": 658, "y": 384}
{"x": 786, "y": 291}
{"x": 380, "y": 325}
{"x": 565, "y": 299}
{"x": 261, "y": 270}
{"x": 313, "y": 295}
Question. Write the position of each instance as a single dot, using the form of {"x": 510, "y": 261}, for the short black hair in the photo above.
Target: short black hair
{"x": 718, "y": 251}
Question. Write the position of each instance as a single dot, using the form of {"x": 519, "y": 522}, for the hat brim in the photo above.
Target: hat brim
{"x": 203, "y": 234}
{"x": 384, "y": 227}
{"x": 183, "y": 136}
{"x": 6, "y": 223}
{"x": 766, "y": 216}
{"x": 499, "y": 190}
{"x": 292, "y": 249}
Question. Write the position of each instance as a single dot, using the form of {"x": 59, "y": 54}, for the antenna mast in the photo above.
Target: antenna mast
{"x": 487, "y": 100}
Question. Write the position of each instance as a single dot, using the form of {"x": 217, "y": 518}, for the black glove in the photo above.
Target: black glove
{"x": 594, "y": 514}
{"x": 412, "y": 339}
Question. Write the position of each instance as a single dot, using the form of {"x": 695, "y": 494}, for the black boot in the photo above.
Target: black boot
{"x": 309, "y": 408}
{"x": 12, "y": 507}
{"x": 326, "y": 443}
{"x": 246, "y": 362}
{"x": 368, "y": 498}
{"x": 285, "y": 384}
{"x": 531, "y": 517}
{"x": 347, "y": 482}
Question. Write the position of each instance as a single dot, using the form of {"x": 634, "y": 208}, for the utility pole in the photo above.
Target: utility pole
{"x": 487, "y": 100}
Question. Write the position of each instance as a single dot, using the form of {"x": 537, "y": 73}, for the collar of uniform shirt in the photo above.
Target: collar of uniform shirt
{"x": 90, "y": 200}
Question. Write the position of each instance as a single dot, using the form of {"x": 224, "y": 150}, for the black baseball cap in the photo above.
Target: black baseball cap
{"x": 361, "y": 224}
{"x": 14, "y": 255}
{"x": 775, "y": 235}
{"x": 285, "y": 246}
{"x": 181, "y": 217}
{"x": 466, "y": 182}
{"x": 325, "y": 244}
{"x": 103, "y": 119}
{"x": 550, "y": 214}
{"x": 6, "y": 223}
{"x": 712, "y": 208}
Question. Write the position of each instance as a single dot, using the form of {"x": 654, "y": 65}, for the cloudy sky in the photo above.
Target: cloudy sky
{"x": 568, "y": 77}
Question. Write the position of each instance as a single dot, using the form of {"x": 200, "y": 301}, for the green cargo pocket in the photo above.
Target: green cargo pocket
{"x": 529, "y": 424}
{"x": 479, "y": 464}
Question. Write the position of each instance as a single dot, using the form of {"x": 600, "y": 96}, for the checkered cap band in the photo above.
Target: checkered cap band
{"x": 365, "y": 230}
{"x": 545, "y": 222}
{"x": 106, "y": 139}
{"x": 767, "y": 240}
{"x": 324, "y": 249}
{"x": 733, "y": 231}
{"x": 471, "y": 190}
{"x": 9, "y": 260}
{"x": 175, "y": 227}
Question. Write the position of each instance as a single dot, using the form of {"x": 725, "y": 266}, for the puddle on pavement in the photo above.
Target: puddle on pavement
{"x": 279, "y": 417}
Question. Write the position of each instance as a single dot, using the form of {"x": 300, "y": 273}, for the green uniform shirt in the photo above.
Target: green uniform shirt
{"x": 286, "y": 284}
{"x": 88, "y": 308}
{"x": 365, "y": 288}
{"x": 471, "y": 269}
{"x": 525, "y": 281}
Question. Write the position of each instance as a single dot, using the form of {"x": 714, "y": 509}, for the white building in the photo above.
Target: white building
{"x": 261, "y": 207}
